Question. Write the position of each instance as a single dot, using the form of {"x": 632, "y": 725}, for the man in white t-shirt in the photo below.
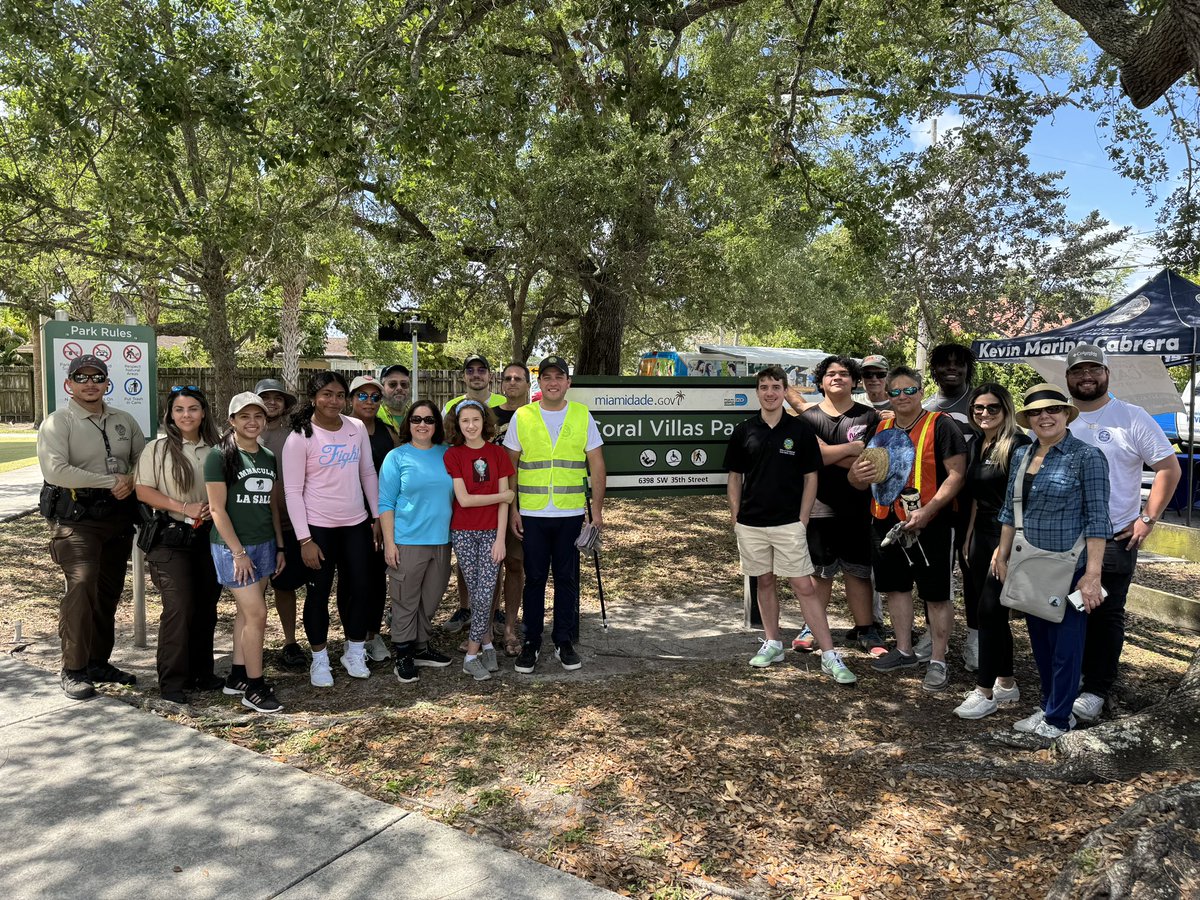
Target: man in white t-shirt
{"x": 1129, "y": 438}
{"x": 553, "y": 444}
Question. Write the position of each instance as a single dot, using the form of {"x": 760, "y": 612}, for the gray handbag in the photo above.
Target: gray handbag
{"x": 1038, "y": 580}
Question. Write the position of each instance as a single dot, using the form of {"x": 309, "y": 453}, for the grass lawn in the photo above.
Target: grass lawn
{"x": 660, "y": 770}
{"x": 16, "y": 454}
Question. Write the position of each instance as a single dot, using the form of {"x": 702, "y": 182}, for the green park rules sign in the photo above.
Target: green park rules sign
{"x": 665, "y": 436}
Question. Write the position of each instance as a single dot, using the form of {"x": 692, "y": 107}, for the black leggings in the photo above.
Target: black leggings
{"x": 347, "y": 550}
{"x": 995, "y": 634}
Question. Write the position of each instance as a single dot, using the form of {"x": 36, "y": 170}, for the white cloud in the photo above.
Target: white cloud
{"x": 921, "y": 133}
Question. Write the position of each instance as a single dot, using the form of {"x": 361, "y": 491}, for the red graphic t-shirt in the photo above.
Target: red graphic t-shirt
{"x": 481, "y": 471}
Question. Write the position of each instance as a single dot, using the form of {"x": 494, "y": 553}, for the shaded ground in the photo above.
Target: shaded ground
{"x": 667, "y": 767}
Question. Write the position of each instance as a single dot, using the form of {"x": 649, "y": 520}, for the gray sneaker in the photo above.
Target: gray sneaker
{"x": 489, "y": 660}
{"x": 937, "y": 678}
{"x": 893, "y": 660}
{"x": 924, "y": 647}
{"x": 476, "y": 669}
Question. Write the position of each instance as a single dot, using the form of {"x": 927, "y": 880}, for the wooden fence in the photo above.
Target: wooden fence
{"x": 16, "y": 386}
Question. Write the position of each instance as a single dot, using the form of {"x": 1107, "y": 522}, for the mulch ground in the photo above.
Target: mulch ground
{"x": 687, "y": 779}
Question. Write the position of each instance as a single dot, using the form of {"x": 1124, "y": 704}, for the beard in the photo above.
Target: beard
{"x": 1088, "y": 392}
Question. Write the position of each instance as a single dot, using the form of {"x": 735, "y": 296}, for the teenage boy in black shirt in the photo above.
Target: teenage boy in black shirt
{"x": 772, "y": 460}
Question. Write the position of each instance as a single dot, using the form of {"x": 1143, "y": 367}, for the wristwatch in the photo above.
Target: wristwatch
{"x": 1149, "y": 520}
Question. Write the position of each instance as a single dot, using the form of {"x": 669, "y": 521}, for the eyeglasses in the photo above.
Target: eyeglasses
{"x": 907, "y": 392}
{"x": 514, "y": 377}
{"x": 1049, "y": 411}
{"x": 84, "y": 378}
{"x": 422, "y": 420}
{"x": 1092, "y": 371}
{"x": 185, "y": 387}
{"x": 477, "y": 370}
{"x": 873, "y": 374}
{"x": 992, "y": 409}
{"x": 364, "y": 397}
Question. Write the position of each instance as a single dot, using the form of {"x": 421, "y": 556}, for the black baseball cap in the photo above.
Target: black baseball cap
{"x": 476, "y": 358}
{"x": 555, "y": 362}
{"x": 87, "y": 361}
{"x": 388, "y": 370}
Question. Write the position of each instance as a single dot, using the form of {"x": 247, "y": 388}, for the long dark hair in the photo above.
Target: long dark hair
{"x": 1008, "y": 431}
{"x": 302, "y": 418}
{"x": 231, "y": 453}
{"x": 181, "y": 467}
{"x": 439, "y": 430}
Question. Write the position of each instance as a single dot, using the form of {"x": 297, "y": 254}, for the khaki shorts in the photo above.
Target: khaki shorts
{"x": 782, "y": 549}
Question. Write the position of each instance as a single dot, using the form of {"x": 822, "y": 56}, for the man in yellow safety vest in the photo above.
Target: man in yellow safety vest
{"x": 553, "y": 444}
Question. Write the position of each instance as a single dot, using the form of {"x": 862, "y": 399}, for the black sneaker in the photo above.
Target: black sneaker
{"x": 430, "y": 657}
{"x": 107, "y": 673}
{"x": 207, "y": 683}
{"x": 293, "y": 657}
{"x": 456, "y": 623}
{"x": 174, "y": 696}
{"x": 261, "y": 699}
{"x": 235, "y": 687}
{"x": 894, "y": 660}
{"x": 567, "y": 656}
{"x": 406, "y": 670}
{"x": 76, "y": 684}
{"x": 527, "y": 661}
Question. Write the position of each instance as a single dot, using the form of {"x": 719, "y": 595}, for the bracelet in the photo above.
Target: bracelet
{"x": 241, "y": 555}
{"x": 307, "y": 540}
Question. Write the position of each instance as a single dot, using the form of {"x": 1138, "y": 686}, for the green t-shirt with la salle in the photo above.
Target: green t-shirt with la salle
{"x": 248, "y": 501}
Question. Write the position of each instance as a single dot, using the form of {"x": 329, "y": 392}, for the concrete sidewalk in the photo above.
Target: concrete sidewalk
{"x": 19, "y": 490}
{"x": 104, "y": 800}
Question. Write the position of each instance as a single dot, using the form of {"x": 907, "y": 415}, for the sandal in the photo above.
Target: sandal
{"x": 512, "y": 646}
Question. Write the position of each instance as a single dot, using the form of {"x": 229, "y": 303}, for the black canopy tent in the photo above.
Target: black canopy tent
{"x": 1161, "y": 318}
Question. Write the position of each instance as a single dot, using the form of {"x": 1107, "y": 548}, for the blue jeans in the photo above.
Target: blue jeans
{"x": 1058, "y": 651}
{"x": 550, "y": 546}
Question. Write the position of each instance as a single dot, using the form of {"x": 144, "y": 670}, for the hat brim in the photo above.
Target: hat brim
{"x": 901, "y": 455}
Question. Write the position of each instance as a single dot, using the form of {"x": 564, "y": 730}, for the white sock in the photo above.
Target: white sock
{"x": 489, "y": 646}
{"x": 828, "y": 654}
{"x": 778, "y": 645}
{"x": 471, "y": 656}
{"x": 356, "y": 648}
{"x": 322, "y": 655}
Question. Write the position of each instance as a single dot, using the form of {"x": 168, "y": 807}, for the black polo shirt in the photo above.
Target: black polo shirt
{"x": 773, "y": 463}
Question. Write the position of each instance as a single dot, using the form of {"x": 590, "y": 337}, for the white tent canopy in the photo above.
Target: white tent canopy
{"x": 780, "y": 356}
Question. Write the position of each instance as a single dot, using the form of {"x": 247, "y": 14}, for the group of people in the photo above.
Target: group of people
{"x": 799, "y": 495}
{"x": 294, "y": 494}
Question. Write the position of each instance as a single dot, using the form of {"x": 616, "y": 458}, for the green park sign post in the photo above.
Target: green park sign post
{"x": 666, "y": 437}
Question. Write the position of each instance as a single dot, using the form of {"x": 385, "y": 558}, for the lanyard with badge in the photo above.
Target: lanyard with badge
{"x": 112, "y": 465}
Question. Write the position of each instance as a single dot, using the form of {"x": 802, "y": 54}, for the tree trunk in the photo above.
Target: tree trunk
{"x": 295, "y": 282}
{"x": 151, "y": 302}
{"x": 601, "y": 327}
{"x": 218, "y": 339}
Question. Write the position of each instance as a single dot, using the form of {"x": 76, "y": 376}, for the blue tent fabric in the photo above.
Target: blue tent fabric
{"x": 1161, "y": 318}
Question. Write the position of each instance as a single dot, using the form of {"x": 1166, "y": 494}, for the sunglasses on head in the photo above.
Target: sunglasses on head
{"x": 364, "y": 397}
{"x": 84, "y": 378}
{"x": 907, "y": 392}
{"x": 422, "y": 420}
{"x": 175, "y": 389}
{"x": 992, "y": 409}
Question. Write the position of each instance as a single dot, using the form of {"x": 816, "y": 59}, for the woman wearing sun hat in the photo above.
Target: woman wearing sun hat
{"x": 1064, "y": 493}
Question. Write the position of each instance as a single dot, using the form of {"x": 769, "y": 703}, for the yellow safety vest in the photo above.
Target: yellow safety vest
{"x": 546, "y": 470}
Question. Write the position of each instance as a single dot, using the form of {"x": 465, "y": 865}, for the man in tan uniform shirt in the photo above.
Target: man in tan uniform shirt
{"x": 88, "y": 451}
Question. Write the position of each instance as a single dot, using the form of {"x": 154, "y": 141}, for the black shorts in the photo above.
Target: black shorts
{"x": 840, "y": 544}
{"x": 928, "y": 565}
{"x": 295, "y": 573}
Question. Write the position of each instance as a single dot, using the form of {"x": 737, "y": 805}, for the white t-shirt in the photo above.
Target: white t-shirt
{"x": 554, "y": 423}
{"x": 1129, "y": 438}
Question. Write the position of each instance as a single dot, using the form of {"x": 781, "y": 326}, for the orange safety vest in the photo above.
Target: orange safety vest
{"x": 923, "y": 476}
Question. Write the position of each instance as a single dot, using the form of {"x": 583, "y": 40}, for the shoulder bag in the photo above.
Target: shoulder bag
{"x": 1038, "y": 580}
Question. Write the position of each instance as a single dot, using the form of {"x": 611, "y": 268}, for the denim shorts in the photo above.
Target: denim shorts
{"x": 262, "y": 555}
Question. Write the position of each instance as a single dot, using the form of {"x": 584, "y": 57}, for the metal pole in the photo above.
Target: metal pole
{"x": 1191, "y": 472}
{"x": 414, "y": 395}
{"x": 139, "y": 598}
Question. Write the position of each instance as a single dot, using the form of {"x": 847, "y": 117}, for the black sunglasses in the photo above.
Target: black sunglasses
{"x": 907, "y": 392}
{"x": 873, "y": 373}
{"x": 422, "y": 420}
{"x": 363, "y": 397}
{"x": 84, "y": 378}
{"x": 1053, "y": 410}
{"x": 992, "y": 409}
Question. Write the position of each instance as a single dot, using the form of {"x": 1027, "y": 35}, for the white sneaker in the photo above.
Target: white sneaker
{"x": 924, "y": 647}
{"x": 1045, "y": 730}
{"x": 318, "y": 673}
{"x": 1030, "y": 723}
{"x": 971, "y": 651}
{"x": 355, "y": 665}
{"x": 1002, "y": 694}
{"x": 377, "y": 649}
{"x": 1088, "y": 707}
{"x": 976, "y": 706}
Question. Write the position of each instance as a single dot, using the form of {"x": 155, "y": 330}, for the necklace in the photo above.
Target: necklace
{"x": 1093, "y": 424}
{"x": 908, "y": 428}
